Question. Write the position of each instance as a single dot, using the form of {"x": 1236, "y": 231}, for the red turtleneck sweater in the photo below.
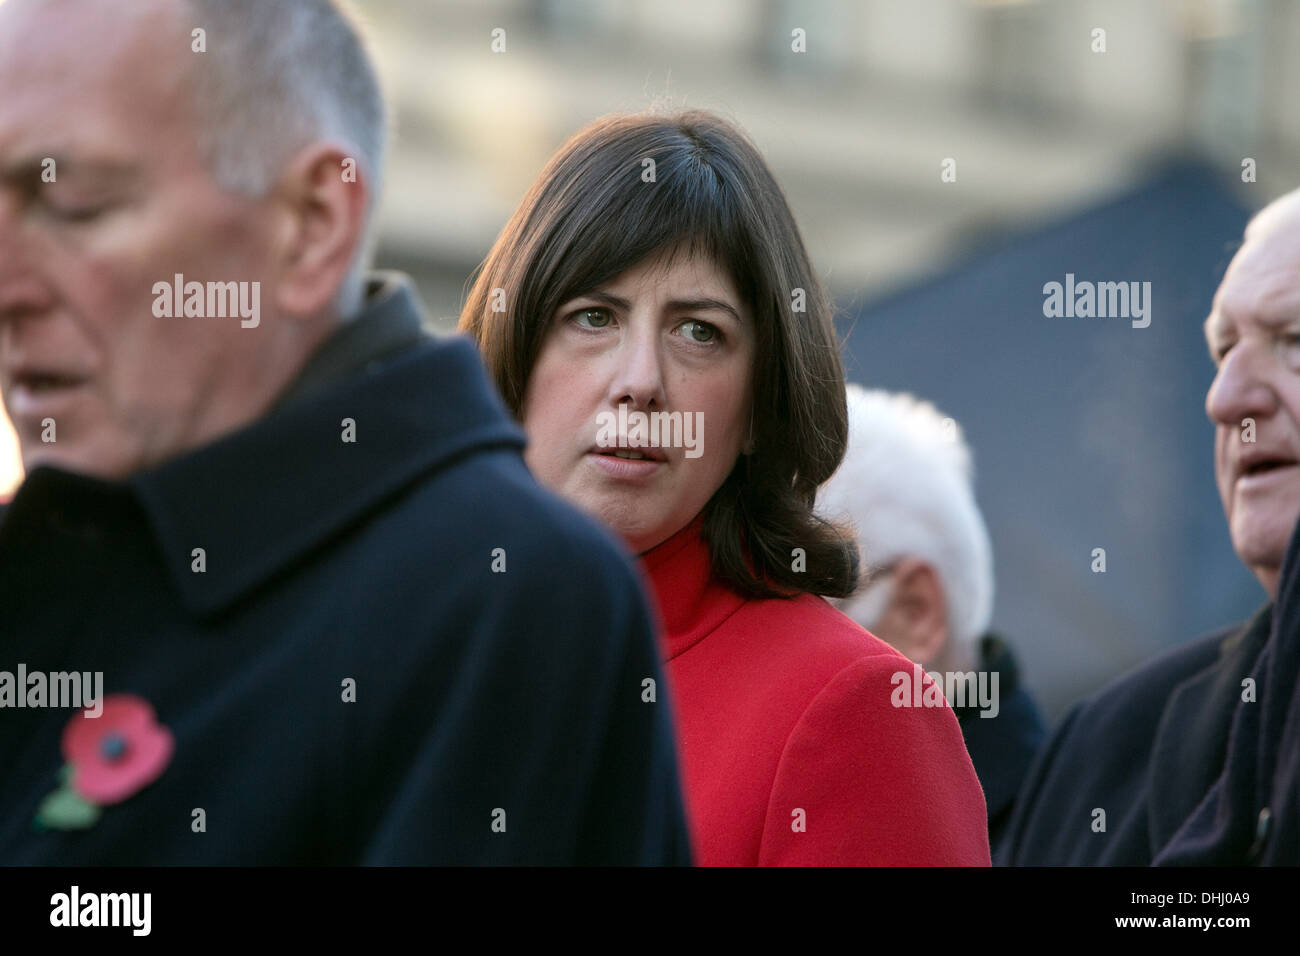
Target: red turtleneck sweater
{"x": 791, "y": 749}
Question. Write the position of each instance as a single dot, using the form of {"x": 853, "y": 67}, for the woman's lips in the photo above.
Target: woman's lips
{"x": 624, "y": 468}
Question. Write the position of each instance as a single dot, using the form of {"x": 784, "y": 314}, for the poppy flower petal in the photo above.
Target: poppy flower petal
{"x": 119, "y": 753}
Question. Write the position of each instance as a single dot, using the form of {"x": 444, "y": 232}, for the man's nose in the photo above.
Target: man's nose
{"x": 638, "y": 379}
{"x": 1244, "y": 386}
{"x": 22, "y": 293}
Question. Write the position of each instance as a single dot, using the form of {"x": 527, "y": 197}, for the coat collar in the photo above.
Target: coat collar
{"x": 1216, "y": 758}
{"x": 995, "y": 655}
{"x": 1002, "y": 748}
{"x": 691, "y": 601}
{"x": 389, "y": 324}
{"x": 1191, "y": 743}
{"x": 263, "y": 497}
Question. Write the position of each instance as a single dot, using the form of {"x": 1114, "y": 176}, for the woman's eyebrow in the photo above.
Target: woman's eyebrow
{"x": 701, "y": 305}
{"x": 673, "y": 305}
{"x": 607, "y": 299}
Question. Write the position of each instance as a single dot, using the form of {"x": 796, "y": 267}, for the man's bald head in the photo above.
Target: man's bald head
{"x": 1282, "y": 212}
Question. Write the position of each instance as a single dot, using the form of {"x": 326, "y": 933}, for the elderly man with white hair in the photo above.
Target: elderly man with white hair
{"x": 906, "y": 487}
{"x": 1193, "y": 759}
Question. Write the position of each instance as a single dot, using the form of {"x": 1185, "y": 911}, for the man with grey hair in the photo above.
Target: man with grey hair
{"x": 905, "y": 485}
{"x": 336, "y": 620}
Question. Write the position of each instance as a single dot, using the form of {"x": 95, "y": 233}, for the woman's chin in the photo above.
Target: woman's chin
{"x": 640, "y": 536}
{"x": 642, "y": 519}
{"x": 640, "y": 531}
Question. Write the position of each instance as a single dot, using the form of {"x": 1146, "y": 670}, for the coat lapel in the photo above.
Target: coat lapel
{"x": 1191, "y": 742}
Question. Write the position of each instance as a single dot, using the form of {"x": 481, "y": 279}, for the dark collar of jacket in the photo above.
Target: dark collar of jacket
{"x": 389, "y": 324}
{"x": 1002, "y": 748}
{"x": 1225, "y": 768}
{"x": 1277, "y": 827}
{"x": 1190, "y": 750}
{"x": 995, "y": 656}
{"x": 262, "y": 498}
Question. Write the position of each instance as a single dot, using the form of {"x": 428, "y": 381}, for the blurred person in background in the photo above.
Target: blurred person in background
{"x": 655, "y": 269}
{"x": 906, "y": 487}
{"x": 1194, "y": 758}
{"x": 276, "y": 542}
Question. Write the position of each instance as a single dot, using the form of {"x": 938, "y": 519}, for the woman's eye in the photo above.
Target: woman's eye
{"x": 592, "y": 318}
{"x": 700, "y": 332}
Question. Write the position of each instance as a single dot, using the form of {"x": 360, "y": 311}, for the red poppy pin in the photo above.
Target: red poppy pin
{"x": 109, "y": 758}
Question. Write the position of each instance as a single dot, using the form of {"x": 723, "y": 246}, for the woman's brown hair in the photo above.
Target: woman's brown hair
{"x": 633, "y": 186}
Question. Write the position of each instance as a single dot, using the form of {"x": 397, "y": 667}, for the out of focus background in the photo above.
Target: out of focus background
{"x": 1126, "y": 164}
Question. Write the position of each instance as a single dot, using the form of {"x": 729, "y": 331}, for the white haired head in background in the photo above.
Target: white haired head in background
{"x": 906, "y": 487}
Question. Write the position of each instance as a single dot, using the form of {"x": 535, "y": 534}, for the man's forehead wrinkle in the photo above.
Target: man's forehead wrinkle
{"x": 1237, "y": 305}
{"x": 1259, "y": 284}
{"x": 1277, "y": 294}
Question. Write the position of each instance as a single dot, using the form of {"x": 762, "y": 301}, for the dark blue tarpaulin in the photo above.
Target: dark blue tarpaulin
{"x": 1086, "y": 432}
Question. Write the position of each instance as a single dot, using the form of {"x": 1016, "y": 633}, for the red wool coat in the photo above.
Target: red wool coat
{"x": 791, "y": 749}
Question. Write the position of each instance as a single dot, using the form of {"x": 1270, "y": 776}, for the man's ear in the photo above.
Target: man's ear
{"x": 325, "y": 195}
{"x": 917, "y": 614}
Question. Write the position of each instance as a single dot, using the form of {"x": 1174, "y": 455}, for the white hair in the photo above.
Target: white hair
{"x": 906, "y": 485}
{"x": 276, "y": 76}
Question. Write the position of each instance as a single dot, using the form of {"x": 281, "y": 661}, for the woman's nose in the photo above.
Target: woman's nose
{"x": 638, "y": 379}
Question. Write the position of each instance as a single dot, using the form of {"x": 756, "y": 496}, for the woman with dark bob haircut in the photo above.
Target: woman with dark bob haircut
{"x": 651, "y": 317}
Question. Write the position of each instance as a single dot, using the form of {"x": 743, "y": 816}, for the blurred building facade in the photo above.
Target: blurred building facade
{"x": 856, "y": 127}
